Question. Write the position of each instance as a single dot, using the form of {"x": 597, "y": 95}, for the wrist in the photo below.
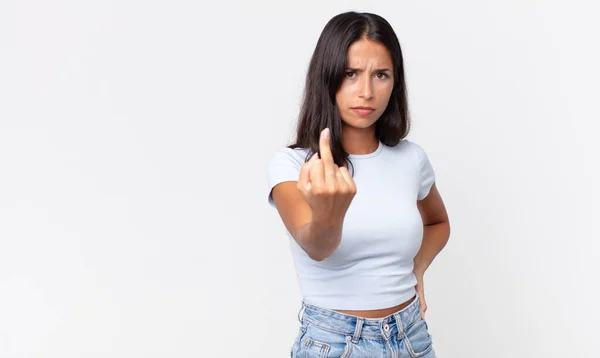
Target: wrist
{"x": 325, "y": 224}
{"x": 419, "y": 273}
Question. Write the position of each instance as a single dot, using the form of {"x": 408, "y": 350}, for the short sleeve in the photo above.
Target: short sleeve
{"x": 284, "y": 166}
{"x": 427, "y": 174}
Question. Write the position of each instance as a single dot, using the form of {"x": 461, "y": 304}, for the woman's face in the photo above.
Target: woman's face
{"x": 368, "y": 82}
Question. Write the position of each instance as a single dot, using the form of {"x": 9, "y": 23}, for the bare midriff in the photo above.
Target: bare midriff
{"x": 380, "y": 313}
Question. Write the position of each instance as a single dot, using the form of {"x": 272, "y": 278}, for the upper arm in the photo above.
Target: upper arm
{"x": 283, "y": 173}
{"x": 432, "y": 207}
{"x": 429, "y": 201}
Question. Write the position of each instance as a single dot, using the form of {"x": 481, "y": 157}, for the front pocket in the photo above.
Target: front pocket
{"x": 418, "y": 340}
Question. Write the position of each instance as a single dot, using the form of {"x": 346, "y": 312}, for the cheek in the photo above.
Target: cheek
{"x": 385, "y": 89}
{"x": 342, "y": 97}
{"x": 384, "y": 93}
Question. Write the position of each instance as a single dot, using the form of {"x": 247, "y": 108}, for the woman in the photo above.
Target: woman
{"x": 361, "y": 242}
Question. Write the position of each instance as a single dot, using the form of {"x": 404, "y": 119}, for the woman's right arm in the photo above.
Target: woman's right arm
{"x": 319, "y": 240}
{"x": 313, "y": 208}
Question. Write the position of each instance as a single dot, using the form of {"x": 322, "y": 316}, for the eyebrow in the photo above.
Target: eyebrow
{"x": 377, "y": 70}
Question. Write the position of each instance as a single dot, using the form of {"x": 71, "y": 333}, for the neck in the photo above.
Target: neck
{"x": 359, "y": 140}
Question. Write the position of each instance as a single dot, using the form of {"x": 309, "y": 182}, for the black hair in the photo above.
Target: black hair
{"x": 325, "y": 75}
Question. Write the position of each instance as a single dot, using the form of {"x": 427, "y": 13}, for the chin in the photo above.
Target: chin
{"x": 359, "y": 123}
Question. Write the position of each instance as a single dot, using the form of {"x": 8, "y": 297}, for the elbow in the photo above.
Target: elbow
{"x": 317, "y": 257}
{"x": 317, "y": 247}
{"x": 317, "y": 254}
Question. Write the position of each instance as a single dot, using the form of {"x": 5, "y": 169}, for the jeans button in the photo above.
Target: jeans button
{"x": 386, "y": 327}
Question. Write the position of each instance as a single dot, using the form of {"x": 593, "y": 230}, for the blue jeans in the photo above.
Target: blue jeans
{"x": 327, "y": 333}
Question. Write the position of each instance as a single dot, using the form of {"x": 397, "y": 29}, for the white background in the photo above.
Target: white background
{"x": 134, "y": 138}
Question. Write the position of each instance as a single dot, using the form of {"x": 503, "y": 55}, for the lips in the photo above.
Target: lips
{"x": 362, "y": 107}
{"x": 363, "y": 111}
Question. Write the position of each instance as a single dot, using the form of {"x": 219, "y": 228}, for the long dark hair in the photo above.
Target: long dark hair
{"x": 326, "y": 73}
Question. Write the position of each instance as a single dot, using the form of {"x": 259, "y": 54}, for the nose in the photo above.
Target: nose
{"x": 366, "y": 89}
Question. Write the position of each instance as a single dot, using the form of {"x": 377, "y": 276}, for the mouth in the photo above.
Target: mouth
{"x": 363, "y": 111}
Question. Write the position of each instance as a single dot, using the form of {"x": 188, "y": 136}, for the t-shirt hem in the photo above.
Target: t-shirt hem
{"x": 350, "y": 305}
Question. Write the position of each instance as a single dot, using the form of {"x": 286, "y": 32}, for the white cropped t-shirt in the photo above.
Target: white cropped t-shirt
{"x": 382, "y": 230}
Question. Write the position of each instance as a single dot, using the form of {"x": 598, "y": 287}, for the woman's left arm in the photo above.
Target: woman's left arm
{"x": 436, "y": 232}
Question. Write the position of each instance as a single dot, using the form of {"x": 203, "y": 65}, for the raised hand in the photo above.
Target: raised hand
{"x": 327, "y": 188}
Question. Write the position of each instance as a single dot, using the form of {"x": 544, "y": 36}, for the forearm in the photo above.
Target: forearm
{"x": 435, "y": 237}
{"x": 319, "y": 240}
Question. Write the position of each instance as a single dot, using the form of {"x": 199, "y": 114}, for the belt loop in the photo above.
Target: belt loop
{"x": 399, "y": 325}
{"x": 301, "y": 313}
{"x": 357, "y": 329}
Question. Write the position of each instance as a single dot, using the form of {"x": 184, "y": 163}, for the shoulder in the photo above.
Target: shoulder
{"x": 408, "y": 146}
{"x": 415, "y": 148}
{"x": 288, "y": 156}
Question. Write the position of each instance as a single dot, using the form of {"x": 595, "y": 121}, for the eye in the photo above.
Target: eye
{"x": 347, "y": 73}
{"x": 384, "y": 75}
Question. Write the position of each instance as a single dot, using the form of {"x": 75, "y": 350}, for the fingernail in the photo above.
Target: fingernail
{"x": 325, "y": 133}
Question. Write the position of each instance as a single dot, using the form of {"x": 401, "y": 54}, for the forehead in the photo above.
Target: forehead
{"x": 368, "y": 53}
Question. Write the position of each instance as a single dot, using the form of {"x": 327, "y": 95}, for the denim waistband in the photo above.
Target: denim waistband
{"x": 384, "y": 327}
